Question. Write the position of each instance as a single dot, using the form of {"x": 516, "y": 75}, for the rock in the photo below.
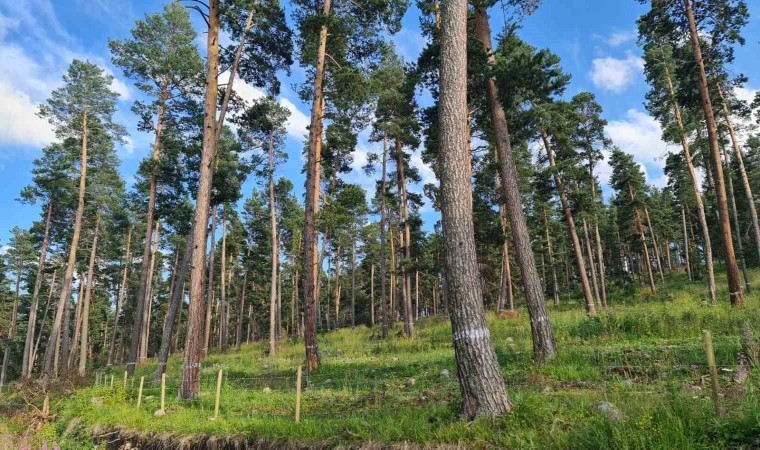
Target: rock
{"x": 267, "y": 390}
{"x": 742, "y": 373}
{"x": 96, "y": 401}
{"x": 410, "y": 382}
{"x": 608, "y": 409}
{"x": 691, "y": 389}
{"x": 159, "y": 413}
{"x": 445, "y": 373}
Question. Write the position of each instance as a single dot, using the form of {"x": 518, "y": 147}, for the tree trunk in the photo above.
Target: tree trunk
{"x": 77, "y": 327}
{"x": 27, "y": 362}
{"x": 697, "y": 195}
{"x": 338, "y": 284}
{"x": 53, "y": 341}
{"x": 743, "y": 176}
{"x": 592, "y": 266}
{"x": 372, "y": 294}
{"x": 210, "y": 284}
{"x": 37, "y": 341}
{"x": 148, "y": 310}
{"x": 657, "y": 256}
{"x": 407, "y": 235}
{"x": 175, "y": 308}
{"x": 65, "y": 345}
{"x": 120, "y": 299}
{"x": 383, "y": 244}
{"x": 482, "y": 387}
{"x": 544, "y": 345}
{"x": 599, "y": 251}
{"x": 191, "y": 371}
{"x": 686, "y": 245}
{"x": 223, "y": 313}
{"x": 312, "y": 202}
{"x": 732, "y": 271}
{"x": 640, "y": 229}
{"x": 580, "y": 261}
{"x": 135, "y": 350}
{"x": 11, "y": 328}
{"x": 737, "y": 230}
{"x": 353, "y": 284}
{"x": 86, "y": 305}
{"x": 555, "y": 287}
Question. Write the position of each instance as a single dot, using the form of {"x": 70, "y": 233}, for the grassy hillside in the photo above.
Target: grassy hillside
{"x": 644, "y": 355}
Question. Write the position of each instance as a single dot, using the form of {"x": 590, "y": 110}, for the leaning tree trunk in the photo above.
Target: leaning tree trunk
{"x": 191, "y": 371}
{"x": 544, "y": 345}
{"x": 742, "y": 175}
{"x": 86, "y": 304}
{"x": 37, "y": 341}
{"x": 312, "y": 202}
{"x": 27, "y": 363}
{"x": 737, "y": 230}
{"x": 639, "y": 224}
{"x": 482, "y": 387}
{"x": 591, "y": 265}
{"x": 580, "y": 261}
{"x": 53, "y": 341}
{"x": 175, "y": 307}
{"x": 142, "y": 355}
{"x": 732, "y": 271}
{"x": 697, "y": 195}
{"x": 120, "y": 300}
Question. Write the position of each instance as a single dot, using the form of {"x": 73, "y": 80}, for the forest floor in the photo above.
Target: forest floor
{"x": 644, "y": 355}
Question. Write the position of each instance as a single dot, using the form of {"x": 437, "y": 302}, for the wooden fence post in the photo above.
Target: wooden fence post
{"x": 111, "y": 380}
{"x": 298, "y": 394}
{"x": 707, "y": 336}
{"x": 125, "y": 379}
{"x": 163, "y": 392}
{"x": 218, "y": 394}
{"x": 139, "y": 392}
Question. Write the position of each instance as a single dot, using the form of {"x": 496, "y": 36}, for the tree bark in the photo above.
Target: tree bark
{"x": 148, "y": 310}
{"x": 175, "y": 308}
{"x": 12, "y": 327}
{"x": 657, "y": 256}
{"x": 86, "y": 305}
{"x": 383, "y": 263}
{"x": 275, "y": 254}
{"x": 37, "y": 341}
{"x": 223, "y": 311}
{"x": 555, "y": 287}
{"x": 481, "y": 384}
{"x": 580, "y": 261}
{"x": 404, "y": 213}
{"x": 686, "y": 244}
{"x": 120, "y": 299}
{"x": 312, "y": 202}
{"x": 732, "y": 271}
{"x": 642, "y": 235}
{"x": 743, "y": 175}
{"x": 27, "y": 363}
{"x": 737, "y": 230}
{"x": 53, "y": 341}
{"x": 592, "y": 266}
{"x": 191, "y": 370}
{"x": 210, "y": 284}
{"x": 697, "y": 195}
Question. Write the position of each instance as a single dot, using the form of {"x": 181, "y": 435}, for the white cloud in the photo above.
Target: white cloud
{"x": 618, "y": 38}
{"x": 298, "y": 122}
{"x": 640, "y": 135}
{"x": 426, "y": 172}
{"x": 21, "y": 126}
{"x": 615, "y": 75}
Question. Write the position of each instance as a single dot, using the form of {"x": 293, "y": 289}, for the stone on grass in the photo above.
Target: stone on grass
{"x": 160, "y": 413}
{"x": 445, "y": 373}
{"x": 608, "y": 409}
{"x": 267, "y": 390}
{"x": 410, "y": 382}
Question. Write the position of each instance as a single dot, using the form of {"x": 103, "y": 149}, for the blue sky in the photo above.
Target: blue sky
{"x": 39, "y": 38}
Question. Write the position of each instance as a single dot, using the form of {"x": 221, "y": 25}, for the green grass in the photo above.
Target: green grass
{"x": 640, "y": 354}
